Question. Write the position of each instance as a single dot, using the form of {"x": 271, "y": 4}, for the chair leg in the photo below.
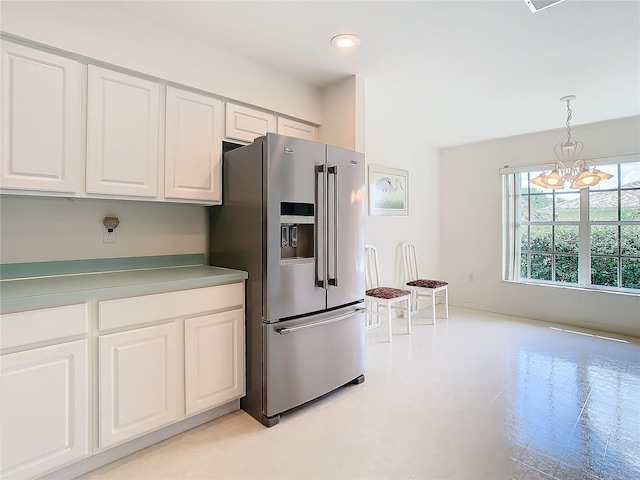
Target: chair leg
{"x": 433, "y": 305}
{"x": 389, "y": 319}
{"x": 446, "y": 302}
{"x": 409, "y": 315}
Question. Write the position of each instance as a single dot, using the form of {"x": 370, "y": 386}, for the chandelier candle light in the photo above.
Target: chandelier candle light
{"x": 582, "y": 174}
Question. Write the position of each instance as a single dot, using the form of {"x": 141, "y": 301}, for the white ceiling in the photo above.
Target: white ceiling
{"x": 476, "y": 70}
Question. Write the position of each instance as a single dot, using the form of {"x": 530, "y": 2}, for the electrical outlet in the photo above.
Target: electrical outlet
{"x": 109, "y": 236}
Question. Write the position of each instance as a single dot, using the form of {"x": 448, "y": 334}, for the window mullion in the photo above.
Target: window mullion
{"x": 584, "y": 240}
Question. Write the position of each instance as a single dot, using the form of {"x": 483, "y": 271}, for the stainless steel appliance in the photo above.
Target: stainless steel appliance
{"x": 293, "y": 218}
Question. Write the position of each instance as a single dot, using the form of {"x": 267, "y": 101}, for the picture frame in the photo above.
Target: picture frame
{"x": 388, "y": 191}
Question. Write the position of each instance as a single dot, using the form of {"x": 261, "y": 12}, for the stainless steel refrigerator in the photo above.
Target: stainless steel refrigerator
{"x": 293, "y": 218}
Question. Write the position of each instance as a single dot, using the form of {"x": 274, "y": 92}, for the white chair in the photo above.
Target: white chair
{"x": 377, "y": 296}
{"x": 419, "y": 286}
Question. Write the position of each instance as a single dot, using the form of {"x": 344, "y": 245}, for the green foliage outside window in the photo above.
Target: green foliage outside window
{"x": 604, "y": 241}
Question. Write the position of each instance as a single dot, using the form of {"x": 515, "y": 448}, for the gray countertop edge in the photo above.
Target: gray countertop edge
{"x": 33, "y": 294}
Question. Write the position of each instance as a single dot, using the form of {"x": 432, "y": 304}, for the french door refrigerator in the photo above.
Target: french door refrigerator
{"x": 293, "y": 218}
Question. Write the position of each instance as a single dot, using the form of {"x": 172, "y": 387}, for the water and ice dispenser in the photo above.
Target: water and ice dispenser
{"x": 297, "y": 222}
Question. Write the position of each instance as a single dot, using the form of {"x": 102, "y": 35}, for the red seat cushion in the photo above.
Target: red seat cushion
{"x": 427, "y": 283}
{"x": 386, "y": 292}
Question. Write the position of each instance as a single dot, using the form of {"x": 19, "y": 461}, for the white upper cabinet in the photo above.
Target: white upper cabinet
{"x": 246, "y": 124}
{"x": 293, "y": 128}
{"x": 193, "y": 154}
{"x": 122, "y": 134}
{"x": 41, "y": 121}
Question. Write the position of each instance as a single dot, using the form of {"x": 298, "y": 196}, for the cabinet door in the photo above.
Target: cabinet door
{"x": 138, "y": 382}
{"x": 296, "y": 129}
{"x": 122, "y": 134}
{"x": 193, "y": 157}
{"x": 214, "y": 360}
{"x": 41, "y": 121}
{"x": 246, "y": 124}
{"x": 44, "y": 409}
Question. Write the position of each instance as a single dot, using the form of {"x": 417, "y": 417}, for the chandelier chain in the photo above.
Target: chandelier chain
{"x": 569, "y": 112}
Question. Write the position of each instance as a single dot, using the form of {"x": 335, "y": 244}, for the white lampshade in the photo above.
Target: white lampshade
{"x": 585, "y": 179}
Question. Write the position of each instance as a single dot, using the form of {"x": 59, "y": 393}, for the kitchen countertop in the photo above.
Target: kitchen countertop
{"x": 41, "y": 292}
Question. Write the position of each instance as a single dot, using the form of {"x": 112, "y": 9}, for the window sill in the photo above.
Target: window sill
{"x": 626, "y": 292}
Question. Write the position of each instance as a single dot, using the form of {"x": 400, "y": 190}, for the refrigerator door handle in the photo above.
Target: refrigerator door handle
{"x": 321, "y": 233}
{"x": 333, "y": 170}
{"x": 306, "y": 326}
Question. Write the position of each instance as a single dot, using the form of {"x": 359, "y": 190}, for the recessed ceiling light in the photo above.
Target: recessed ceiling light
{"x": 345, "y": 40}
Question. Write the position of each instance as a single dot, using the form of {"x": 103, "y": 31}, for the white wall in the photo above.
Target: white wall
{"x": 395, "y": 139}
{"x": 471, "y": 229}
{"x": 37, "y": 230}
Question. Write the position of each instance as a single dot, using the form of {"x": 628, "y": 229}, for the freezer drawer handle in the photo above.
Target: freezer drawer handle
{"x": 305, "y": 326}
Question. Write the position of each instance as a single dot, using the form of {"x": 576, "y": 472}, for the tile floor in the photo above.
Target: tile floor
{"x": 480, "y": 396}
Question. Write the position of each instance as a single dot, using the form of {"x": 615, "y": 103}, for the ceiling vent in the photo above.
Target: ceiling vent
{"x": 537, "y": 5}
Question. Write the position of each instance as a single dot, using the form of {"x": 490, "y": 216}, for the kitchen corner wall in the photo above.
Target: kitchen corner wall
{"x": 471, "y": 229}
{"x": 343, "y": 114}
{"x": 395, "y": 138}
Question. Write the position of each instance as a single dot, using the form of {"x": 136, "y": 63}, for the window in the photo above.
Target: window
{"x": 588, "y": 237}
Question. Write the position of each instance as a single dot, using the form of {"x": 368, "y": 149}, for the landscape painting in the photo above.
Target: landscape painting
{"x": 388, "y": 191}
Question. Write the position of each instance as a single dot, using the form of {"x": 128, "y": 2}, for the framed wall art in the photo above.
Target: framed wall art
{"x": 388, "y": 191}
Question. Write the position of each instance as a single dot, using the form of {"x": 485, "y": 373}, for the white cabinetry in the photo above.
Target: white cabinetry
{"x": 246, "y": 124}
{"x": 122, "y": 134}
{"x": 138, "y": 388}
{"x": 293, "y": 128}
{"x": 193, "y": 155}
{"x": 44, "y": 392}
{"x": 214, "y": 360}
{"x": 41, "y": 121}
{"x": 141, "y": 374}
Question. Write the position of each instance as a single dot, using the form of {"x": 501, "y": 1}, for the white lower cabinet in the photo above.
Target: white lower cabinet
{"x": 147, "y": 373}
{"x": 159, "y": 359}
{"x": 44, "y": 409}
{"x": 214, "y": 360}
{"x": 138, "y": 387}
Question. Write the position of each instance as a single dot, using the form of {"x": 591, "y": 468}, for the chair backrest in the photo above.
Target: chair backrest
{"x": 410, "y": 262}
{"x": 372, "y": 277}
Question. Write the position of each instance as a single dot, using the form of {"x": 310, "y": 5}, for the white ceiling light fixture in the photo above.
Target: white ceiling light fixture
{"x": 345, "y": 40}
{"x": 582, "y": 174}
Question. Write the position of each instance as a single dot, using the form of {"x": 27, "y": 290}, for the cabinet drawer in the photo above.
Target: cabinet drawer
{"x": 42, "y": 325}
{"x": 138, "y": 310}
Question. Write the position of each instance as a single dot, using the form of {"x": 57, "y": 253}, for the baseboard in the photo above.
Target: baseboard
{"x": 119, "y": 451}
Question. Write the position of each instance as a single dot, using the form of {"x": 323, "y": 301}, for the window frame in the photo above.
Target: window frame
{"x": 514, "y": 223}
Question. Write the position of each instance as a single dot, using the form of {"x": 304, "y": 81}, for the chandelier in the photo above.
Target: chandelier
{"x": 568, "y": 168}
